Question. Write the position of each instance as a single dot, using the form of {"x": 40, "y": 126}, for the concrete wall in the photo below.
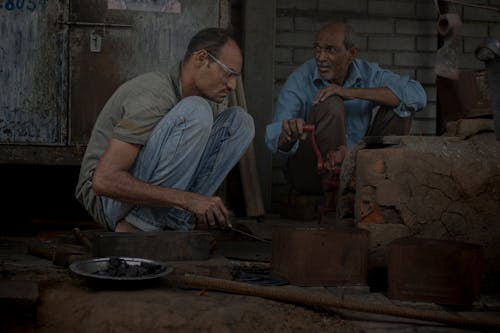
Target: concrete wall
{"x": 258, "y": 45}
{"x": 398, "y": 35}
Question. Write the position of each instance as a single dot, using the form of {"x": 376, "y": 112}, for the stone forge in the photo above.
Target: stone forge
{"x": 431, "y": 187}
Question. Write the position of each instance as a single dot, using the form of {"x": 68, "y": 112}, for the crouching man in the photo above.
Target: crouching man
{"x": 163, "y": 143}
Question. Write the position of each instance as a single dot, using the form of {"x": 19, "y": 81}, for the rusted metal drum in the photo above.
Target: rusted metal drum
{"x": 437, "y": 271}
{"x": 320, "y": 255}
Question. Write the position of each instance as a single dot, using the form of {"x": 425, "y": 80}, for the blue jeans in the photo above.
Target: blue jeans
{"x": 187, "y": 150}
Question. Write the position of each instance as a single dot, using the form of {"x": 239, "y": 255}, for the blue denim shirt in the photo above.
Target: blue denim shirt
{"x": 296, "y": 98}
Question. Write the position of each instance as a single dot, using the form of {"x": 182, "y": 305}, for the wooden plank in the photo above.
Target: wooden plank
{"x": 248, "y": 165}
{"x": 41, "y": 155}
{"x": 162, "y": 246}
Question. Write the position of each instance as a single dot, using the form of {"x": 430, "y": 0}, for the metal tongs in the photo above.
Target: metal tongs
{"x": 230, "y": 227}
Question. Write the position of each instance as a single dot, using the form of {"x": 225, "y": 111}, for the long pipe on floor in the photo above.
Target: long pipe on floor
{"x": 316, "y": 299}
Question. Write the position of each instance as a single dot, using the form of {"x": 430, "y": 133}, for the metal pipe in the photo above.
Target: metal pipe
{"x": 96, "y": 24}
{"x": 468, "y": 4}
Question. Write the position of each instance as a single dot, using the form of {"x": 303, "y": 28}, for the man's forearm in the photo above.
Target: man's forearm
{"x": 122, "y": 186}
{"x": 383, "y": 96}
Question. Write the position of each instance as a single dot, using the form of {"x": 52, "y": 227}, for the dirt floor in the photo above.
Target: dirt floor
{"x": 70, "y": 303}
{"x": 173, "y": 310}
{"x": 66, "y": 302}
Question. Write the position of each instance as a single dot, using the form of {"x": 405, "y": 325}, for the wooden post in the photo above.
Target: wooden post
{"x": 247, "y": 165}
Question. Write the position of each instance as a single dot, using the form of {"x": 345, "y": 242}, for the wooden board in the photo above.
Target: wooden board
{"x": 161, "y": 246}
{"x": 248, "y": 165}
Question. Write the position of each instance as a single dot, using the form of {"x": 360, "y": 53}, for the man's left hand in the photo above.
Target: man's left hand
{"x": 323, "y": 94}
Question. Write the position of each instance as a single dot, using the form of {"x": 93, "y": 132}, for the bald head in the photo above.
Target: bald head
{"x": 334, "y": 51}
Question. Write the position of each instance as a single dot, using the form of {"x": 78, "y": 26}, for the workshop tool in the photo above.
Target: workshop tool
{"x": 248, "y": 235}
{"x": 329, "y": 169}
{"x": 60, "y": 254}
{"x": 80, "y": 237}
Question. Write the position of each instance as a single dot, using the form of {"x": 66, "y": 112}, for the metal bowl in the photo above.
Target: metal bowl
{"x": 92, "y": 268}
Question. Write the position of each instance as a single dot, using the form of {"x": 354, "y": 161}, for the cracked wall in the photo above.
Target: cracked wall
{"x": 431, "y": 187}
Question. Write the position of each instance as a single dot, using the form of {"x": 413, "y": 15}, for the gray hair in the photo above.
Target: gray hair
{"x": 348, "y": 32}
{"x": 349, "y": 36}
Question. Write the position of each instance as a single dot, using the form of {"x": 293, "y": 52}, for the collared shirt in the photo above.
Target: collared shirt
{"x": 296, "y": 98}
{"x": 129, "y": 115}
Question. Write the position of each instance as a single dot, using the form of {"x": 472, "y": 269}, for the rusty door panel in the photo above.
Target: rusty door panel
{"x": 94, "y": 77}
{"x": 33, "y": 72}
{"x": 131, "y": 43}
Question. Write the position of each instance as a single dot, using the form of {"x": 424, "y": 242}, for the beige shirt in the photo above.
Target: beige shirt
{"x": 129, "y": 115}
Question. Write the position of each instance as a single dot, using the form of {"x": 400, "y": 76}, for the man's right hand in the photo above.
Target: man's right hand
{"x": 208, "y": 210}
{"x": 291, "y": 131}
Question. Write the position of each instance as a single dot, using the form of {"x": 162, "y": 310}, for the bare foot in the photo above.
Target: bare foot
{"x": 124, "y": 226}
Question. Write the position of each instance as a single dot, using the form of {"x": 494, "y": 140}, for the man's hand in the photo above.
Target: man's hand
{"x": 208, "y": 210}
{"x": 291, "y": 131}
{"x": 382, "y": 96}
{"x": 323, "y": 94}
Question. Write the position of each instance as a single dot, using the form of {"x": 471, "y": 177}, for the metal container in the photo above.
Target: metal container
{"x": 466, "y": 97}
{"x": 320, "y": 255}
{"x": 93, "y": 270}
{"x": 437, "y": 271}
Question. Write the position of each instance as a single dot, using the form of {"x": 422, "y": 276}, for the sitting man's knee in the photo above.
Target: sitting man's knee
{"x": 241, "y": 119}
{"x": 333, "y": 106}
{"x": 197, "y": 110}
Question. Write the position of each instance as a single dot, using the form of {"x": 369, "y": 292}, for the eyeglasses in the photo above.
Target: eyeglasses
{"x": 228, "y": 72}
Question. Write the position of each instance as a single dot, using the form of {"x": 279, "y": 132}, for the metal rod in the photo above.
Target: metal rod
{"x": 249, "y": 235}
{"x": 96, "y": 24}
{"x": 464, "y": 3}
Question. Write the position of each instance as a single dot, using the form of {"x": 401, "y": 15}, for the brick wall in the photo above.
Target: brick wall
{"x": 398, "y": 35}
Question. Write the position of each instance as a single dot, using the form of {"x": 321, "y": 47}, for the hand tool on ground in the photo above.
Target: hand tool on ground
{"x": 248, "y": 235}
{"x": 80, "y": 237}
{"x": 59, "y": 254}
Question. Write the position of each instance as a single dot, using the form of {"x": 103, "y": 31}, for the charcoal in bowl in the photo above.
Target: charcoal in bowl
{"x": 118, "y": 267}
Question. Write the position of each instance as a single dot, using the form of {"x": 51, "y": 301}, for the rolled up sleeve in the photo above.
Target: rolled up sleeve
{"x": 410, "y": 92}
{"x": 288, "y": 106}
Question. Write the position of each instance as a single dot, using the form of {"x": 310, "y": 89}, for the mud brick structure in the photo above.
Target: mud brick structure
{"x": 431, "y": 187}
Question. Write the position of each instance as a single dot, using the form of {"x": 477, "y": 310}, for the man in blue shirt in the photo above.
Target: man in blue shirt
{"x": 337, "y": 92}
